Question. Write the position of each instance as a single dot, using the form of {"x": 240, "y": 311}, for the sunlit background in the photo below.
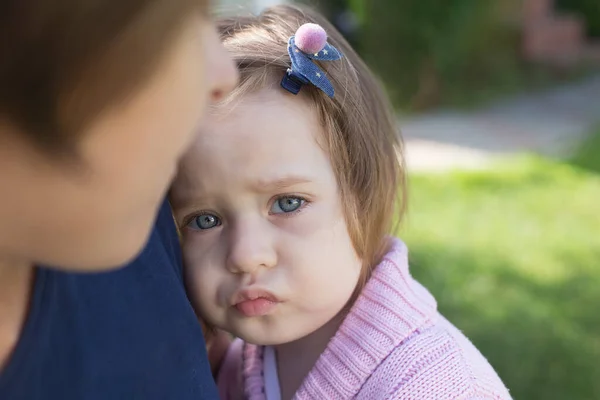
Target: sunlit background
{"x": 498, "y": 103}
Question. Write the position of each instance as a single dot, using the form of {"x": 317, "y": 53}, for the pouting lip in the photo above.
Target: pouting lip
{"x": 253, "y": 294}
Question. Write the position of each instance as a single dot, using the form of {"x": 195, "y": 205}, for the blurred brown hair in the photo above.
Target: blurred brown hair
{"x": 360, "y": 132}
{"x": 64, "y": 61}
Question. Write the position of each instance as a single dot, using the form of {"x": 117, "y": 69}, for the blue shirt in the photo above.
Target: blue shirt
{"x": 125, "y": 334}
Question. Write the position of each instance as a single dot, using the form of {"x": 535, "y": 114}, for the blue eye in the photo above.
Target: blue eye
{"x": 287, "y": 204}
{"x": 204, "y": 221}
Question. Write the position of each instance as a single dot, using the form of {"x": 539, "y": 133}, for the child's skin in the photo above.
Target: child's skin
{"x": 262, "y": 219}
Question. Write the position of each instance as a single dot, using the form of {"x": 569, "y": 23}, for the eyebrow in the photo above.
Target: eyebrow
{"x": 279, "y": 183}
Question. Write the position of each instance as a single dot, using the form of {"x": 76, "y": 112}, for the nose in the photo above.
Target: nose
{"x": 222, "y": 74}
{"x": 250, "y": 248}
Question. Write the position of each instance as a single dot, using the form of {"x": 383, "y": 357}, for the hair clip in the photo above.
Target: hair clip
{"x": 308, "y": 44}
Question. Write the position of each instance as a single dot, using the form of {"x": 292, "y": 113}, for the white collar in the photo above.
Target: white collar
{"x": 272, "y": 390}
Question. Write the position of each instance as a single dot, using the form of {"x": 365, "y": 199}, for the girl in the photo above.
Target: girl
{"x": 285, "y": 241}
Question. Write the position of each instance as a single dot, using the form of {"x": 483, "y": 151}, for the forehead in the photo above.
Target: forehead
{"x": 263, "y": 135}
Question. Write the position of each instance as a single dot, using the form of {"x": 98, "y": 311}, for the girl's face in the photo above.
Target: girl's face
{"x": 267, "y": 252}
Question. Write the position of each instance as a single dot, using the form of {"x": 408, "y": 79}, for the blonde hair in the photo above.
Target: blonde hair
{"x": 360, "y": 131}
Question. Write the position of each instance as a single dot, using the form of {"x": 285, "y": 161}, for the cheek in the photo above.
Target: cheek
{"x": 202, "y": 277}
{"x": 338, "y": 252}
{"x": 324, "y": 260}
{"x": 318, "y": 221}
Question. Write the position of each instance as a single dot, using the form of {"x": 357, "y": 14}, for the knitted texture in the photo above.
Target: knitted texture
{"x": 392, "y": 345}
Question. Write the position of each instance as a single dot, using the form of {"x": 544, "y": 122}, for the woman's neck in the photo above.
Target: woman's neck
{"x": 296, "y": 359}
{"x": 16, "y": 279}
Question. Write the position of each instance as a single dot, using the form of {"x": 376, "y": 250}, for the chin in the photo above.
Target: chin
{"x": 129, "y": 246}
{"x": 117, "y": 254}
{"x": 114, "y": 261}
{"x": 266, "y": 336}
{"x": 262, "y": 340}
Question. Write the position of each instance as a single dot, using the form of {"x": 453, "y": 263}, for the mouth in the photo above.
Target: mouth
{"x": 255, "y": 302}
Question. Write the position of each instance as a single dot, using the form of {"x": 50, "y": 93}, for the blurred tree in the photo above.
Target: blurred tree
{"x": 421, "y": 46}
{"x": 589, "y": 10}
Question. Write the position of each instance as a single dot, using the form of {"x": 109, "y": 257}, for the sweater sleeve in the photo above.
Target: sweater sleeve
{"x": 229, "y": 379}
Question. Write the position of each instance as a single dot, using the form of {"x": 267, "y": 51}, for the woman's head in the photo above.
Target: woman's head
{"x": 98, "y": 100}
{"x": 300, "y": 190}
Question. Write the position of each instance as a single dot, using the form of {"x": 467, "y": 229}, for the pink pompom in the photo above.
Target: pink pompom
{"x": 311, "y": 38}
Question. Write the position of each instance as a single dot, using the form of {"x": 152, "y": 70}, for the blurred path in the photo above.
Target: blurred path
{"x": 551, "y": 122}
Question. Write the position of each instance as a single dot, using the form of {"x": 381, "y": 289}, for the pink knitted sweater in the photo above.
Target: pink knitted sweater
{"x": 392, "y": 345}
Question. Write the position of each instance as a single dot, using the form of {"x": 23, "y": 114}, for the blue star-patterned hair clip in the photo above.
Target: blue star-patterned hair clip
{"x": 309, "y": 43}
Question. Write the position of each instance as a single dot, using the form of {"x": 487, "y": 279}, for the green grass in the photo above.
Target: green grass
{"x": 588, "y": 156}
{"x": 513, "y": 258}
